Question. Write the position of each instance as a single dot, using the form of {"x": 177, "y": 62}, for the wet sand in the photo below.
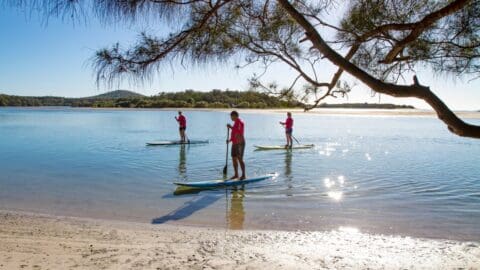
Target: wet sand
{"x": 32, "y": 241}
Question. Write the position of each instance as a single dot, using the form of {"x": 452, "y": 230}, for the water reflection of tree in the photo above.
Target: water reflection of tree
{"x": 182, "y": 162}
{"x": 236, "y": 213}
{"x": 288, "y": 172}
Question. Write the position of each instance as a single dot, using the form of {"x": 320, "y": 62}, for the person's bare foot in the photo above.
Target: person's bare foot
{"x": 234, "y": 177}
{"x": 243, "y": 177}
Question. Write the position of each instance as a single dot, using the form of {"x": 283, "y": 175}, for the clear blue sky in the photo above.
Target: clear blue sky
{"x": 38, "y": 59}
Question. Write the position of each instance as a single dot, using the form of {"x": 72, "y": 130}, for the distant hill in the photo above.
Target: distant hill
{"x": 365, "y": 106}
{"x": 116, "y": 94}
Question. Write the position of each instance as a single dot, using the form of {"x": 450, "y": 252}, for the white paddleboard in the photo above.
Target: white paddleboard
{"x": 282, "y": 147}
{"x": 152, "y": 143}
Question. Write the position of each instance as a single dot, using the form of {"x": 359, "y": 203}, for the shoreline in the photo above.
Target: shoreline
{"x": 300, "y": 111}
{"x": 38, "y": 241}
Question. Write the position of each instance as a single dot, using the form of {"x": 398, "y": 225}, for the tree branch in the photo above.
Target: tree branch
{"x": 419, "y": 27}
{"x": 455, "y": 124}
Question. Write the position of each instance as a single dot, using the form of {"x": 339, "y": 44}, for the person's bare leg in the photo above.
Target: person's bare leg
{"x": 183, "y": 136}
{"x": 290, "y": 141}
{"x": 235, "y": 167}
{"x": 242, "y": 166}
{"x": 286, "y": 136}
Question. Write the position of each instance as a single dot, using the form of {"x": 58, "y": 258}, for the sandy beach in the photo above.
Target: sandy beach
{"x": 32, "y": 241}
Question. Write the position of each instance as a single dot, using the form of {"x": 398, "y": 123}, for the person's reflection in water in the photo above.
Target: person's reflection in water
{"x": 288, "y": 172}
{"x": 182, "y": 163}
{"x": 236, "y": 215}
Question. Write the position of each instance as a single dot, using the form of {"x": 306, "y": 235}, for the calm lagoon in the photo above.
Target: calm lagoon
{"x": 376, "y": 174}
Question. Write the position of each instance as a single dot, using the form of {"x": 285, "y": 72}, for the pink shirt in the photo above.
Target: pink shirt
{"x": 289, "y": 123}
{"x": 182, "y": 121}
{"x": 237, "y": 132}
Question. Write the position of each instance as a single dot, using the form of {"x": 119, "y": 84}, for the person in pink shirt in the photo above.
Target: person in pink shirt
{"x": 288, "y": 124}
{"x": 238, "y": 144}
{"x": 182, "y": 123}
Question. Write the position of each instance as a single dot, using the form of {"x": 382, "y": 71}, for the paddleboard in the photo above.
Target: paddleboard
{"x": 176, "y": 142}
{"x": 282, "y": 147}
{"x": 226, "y": 183}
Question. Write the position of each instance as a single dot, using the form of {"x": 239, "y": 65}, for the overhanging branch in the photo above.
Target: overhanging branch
{"x": 455, "y": 124}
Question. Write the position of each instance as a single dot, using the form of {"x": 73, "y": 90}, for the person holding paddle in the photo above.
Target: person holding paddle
{"x": 182, "y": 123}
{"x": 288, "y": 124}
{"x": 238, "y": 144}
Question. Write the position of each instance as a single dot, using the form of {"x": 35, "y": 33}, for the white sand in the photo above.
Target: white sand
{"x": 29, "y": 241}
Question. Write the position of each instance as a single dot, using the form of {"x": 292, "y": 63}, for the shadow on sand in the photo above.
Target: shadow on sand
{"x": 187, "y": 209}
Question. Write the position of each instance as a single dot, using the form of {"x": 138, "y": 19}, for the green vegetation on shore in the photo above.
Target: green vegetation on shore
{"x": 117, "y": 94}
{"x": 185, "y": 99}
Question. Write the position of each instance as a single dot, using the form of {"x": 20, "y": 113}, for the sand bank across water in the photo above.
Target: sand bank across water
{"x": 29, "y": 241}
{"x": 318, "y": 111}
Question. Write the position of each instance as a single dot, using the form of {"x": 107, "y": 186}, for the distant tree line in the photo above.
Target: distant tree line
{"x": 7, "y": 100}
{"x": 185, "y": 99}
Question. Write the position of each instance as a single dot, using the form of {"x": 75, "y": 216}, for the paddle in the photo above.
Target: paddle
{"x": 226, "y": 156}
{"x": 295, "y": 139}
{"x": 292, "y": 135}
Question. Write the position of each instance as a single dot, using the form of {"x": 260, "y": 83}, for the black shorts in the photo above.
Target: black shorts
{"x": 289, "y": 131}
{"x": 238, "y": 150}
{"x": 182, "y": 128}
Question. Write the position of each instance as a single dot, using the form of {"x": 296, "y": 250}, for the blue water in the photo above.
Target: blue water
{"x": 392, "y": 175}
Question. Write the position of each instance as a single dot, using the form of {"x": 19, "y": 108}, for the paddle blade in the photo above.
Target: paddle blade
{"x": 225, "y": 170}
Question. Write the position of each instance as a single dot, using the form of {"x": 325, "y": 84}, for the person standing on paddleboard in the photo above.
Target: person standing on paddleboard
{"x": 238, "y": 144}
{"x": 288, "y": 124}
{"x": 182, "y": 123}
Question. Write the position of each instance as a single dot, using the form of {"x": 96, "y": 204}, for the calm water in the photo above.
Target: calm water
{"x": 393, "y": 175}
